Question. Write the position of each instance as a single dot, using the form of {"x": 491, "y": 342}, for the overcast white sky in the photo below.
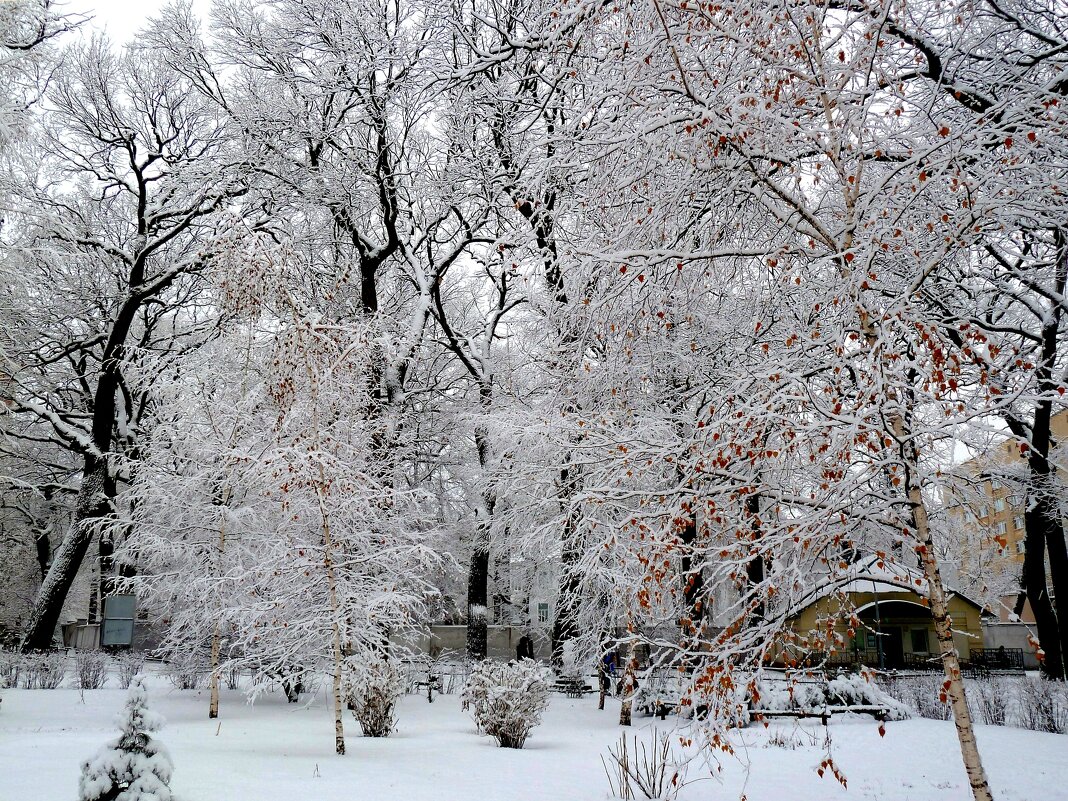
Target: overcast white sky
{"x": 120, "y": 19}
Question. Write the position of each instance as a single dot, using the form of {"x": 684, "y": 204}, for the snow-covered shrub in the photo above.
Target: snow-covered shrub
{"x": 928, "y": 695}
{"x": 44, "y": 670}
{"x": 10, "y": 668}
{"x": 128, "y": 665}
{"x": 91, "y": 669}
{"x": 990, "y": 700}
{"x": 507, "y": 699}
{"x": 186, "y": 672}
{"x": 232, "y": 675}
{"x": 922, "y": 694}
{"x": 1043, "y": 705}
{"x": 132, "y": 767}
{"x": 635, "y": 771}
{"x": 373, "y": 690}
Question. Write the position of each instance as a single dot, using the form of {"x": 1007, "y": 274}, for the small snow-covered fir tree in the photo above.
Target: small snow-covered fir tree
{"x": 133, "y": 767}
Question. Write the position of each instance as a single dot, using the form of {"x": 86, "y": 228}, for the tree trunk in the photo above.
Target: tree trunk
{"x": 1058, "y": 568}
{"x": 1044, "y": 530}
{"x": 93, "y": 504}
{"x": 213, "y": 704}
{"x": 754, "y": 569}
{"x": 602, "y": 682}
{"x": 335, "y": 612}
{"x": 339, "y": 706}
{"x": 629, "y": 683}
{"x": 42, "y": 544}
{"x": 216, "y": 636}
{"x": 1047, "y": 626}
{"x": 954, "y": 683}
{"x": 477, "y": 577}
{"x": 565, "y": 626}
{"x": 693, "y": 580}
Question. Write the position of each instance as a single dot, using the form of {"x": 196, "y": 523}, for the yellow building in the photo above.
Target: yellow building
{"x": 896, "y": 630}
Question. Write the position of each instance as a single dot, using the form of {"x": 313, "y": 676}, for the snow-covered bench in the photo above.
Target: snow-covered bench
{"x": 880, "y": 713}
{"x": 572, "y": 686}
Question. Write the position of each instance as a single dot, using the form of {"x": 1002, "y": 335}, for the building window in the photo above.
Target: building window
{"x": 1000, "y": 528}
{"x": 995, "y": 484}
{"x": 919, "y": 641}
{"x": 543, "y": 613}
{"x": 1018, "y": 521}
{"x": 1021, "y": 546}
{"x": 983, "y": 511}
{"x": 999, "y": 505}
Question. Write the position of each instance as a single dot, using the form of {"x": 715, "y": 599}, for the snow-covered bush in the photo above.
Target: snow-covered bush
{"x": 186, "y": 672}
{"x": 91, "y": 669}
{"x": 1043, "y": 705}
{"x": 372, "y": 693}
{"x": 507, "y": 700}
{"x": 10, "y": 668}
{"x": 128, "y": 665}
{"x": 652, "y": 772}
{"x": 44, "y": 670}
{"x": 132, "y": 767}
{"x": 232, "y": 675}
{"x": 921, "y": 694}
{"x": 990, "y": 700}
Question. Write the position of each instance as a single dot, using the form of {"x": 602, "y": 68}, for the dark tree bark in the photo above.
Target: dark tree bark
{"x": 693, "y": 580}
{"x": 565, "y": 626}
{"x": 477, "y": 611}
{"x": 42, "y": 544}
{"x": 1043, "y": 526}
{"x": 94, "y": 502}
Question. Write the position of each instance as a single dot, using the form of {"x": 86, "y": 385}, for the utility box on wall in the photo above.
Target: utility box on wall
{"x": 118, "y": 627}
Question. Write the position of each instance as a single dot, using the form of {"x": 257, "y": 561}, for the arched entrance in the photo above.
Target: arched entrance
{"x": 894, "y": 634}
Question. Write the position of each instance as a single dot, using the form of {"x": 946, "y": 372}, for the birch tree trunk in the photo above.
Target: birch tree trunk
{"x": 216, "y": 635}
{"x": 953, "y": 686}
{"x": 629, "y": 683}
{"x": 335, "y": 612}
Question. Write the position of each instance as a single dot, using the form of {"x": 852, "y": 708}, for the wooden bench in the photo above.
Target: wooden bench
{"x": 880, "y": 713}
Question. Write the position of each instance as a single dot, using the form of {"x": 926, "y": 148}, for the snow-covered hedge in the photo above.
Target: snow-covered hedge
{"x": 133, "y": 766}
{"x": 844, "y": 690}
{"x": 507, "y": 699}
{"x": 373, "y": 690}
{"x": 1026, "y": 701}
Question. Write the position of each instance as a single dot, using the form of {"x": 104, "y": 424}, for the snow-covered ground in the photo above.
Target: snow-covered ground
{"x": 272, "y": 751}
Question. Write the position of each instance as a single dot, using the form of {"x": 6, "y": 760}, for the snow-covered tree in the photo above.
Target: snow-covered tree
{"x": 107, "y": 238}
{"x": 134, "y": 766}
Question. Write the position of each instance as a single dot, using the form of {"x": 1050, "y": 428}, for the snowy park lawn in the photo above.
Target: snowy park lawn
{"x": 273, "y": 751}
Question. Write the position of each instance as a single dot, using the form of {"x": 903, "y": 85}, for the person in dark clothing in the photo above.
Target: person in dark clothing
{"x": 525, "y": 648}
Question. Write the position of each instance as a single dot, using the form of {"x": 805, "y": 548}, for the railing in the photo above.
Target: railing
{"x": 986, "y": 659}
{"x": 980, "y": 661}
{"x": 923, "y": 662}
